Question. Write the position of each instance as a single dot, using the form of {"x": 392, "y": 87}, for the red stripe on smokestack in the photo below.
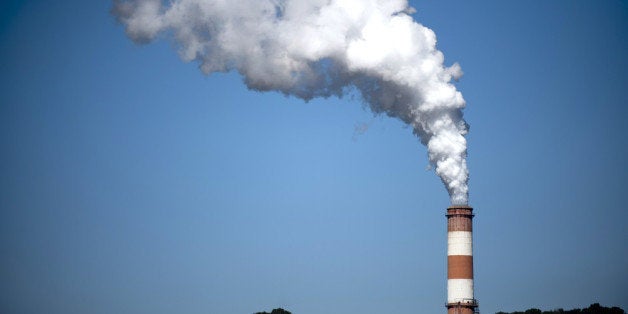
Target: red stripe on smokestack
{"x": 459, "y": 218}
{"x": 459, "y": 267}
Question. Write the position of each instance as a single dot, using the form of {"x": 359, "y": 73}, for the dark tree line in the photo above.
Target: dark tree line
{"x": 595, "y": 308}
{"x": 276, "y": 311}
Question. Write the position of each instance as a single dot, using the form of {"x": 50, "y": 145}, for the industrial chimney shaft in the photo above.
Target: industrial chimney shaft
{"x": 460, "y": 299}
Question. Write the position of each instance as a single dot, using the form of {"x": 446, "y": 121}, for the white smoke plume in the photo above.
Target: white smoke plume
{"x": 323, "y": 48}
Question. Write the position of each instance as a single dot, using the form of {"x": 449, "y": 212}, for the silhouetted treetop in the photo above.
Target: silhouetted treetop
{"x": 595, "y": 308}
{"x": 276, "y": 311}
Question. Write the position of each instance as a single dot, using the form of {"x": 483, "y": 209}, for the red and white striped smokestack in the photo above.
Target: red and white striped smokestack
{"x": 460, "y": 298}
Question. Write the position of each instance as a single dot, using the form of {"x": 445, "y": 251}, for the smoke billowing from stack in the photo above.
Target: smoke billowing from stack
{"x": 323, "y": 48}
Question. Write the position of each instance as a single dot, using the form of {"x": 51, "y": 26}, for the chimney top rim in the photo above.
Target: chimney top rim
{"x": 459, "y": 207}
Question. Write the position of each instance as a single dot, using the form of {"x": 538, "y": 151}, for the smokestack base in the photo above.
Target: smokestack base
{"x": 463, "y": 307}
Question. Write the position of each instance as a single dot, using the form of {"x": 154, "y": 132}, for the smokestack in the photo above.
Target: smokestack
{"x": 460, "y": 298}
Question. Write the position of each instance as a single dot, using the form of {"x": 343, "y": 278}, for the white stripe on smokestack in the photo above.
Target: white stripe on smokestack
{"x": 460, "y": 299}
{"x": 459, "y": 290}
{"x": 459, "y": 243}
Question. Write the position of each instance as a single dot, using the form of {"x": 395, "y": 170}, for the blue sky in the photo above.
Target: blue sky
{"x": 132, "y": 183}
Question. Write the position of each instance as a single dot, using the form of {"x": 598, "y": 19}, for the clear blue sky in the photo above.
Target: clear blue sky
{"x": 132, "y": 183}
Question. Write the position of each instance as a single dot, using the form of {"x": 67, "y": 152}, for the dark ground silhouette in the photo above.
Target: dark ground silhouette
{"x": 595, "y": 308}
{"x": 276, "y": 311}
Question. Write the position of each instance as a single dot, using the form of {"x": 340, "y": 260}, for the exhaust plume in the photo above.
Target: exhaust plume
{"x": 323, "y": 48}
